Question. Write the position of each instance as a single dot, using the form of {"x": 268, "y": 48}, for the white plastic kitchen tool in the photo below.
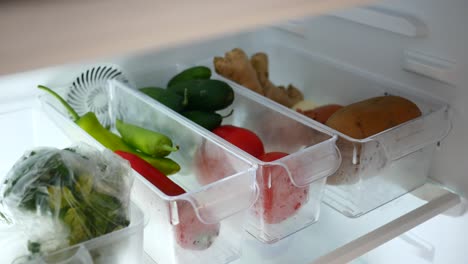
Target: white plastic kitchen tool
{"x": 87, "y": 91}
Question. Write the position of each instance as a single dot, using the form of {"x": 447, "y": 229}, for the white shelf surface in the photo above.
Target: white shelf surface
{"x": 339, "y": 239}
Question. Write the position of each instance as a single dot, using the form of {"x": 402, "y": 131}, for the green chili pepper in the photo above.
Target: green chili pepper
{"x": 147, "y": 141}
{"x": 165, "y": 165}
{"x": 89, "y": 123}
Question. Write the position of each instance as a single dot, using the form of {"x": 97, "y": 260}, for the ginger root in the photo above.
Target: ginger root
{"x": 254, "y": 74}
{"x": 236, "y": 67}
{"x": 259, "y": 62}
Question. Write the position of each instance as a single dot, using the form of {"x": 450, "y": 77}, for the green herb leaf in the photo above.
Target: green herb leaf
{"x": 107, "y": 213}
{"x": 84, "y": 185}
{"x": 68, "y": 198}
{"x": 77, "y": 223}
{"x": 34, "y": 247}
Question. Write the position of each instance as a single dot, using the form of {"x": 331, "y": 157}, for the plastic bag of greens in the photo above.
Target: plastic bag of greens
{"x": 61, "y": 197}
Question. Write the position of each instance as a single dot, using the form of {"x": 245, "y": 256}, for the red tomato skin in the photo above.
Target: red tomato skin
{"x": 242, "y": 138}
{"x": 190, "y": 232}
{"x": 279, "y": 199}
{"x": 211, "y": 163}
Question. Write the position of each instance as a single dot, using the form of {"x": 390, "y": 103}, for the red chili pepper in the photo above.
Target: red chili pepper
{"x": 153, "y": 175}
{"x": 190, "y": 233}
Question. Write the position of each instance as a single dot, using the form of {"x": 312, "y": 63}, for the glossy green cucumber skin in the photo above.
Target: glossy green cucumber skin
{"x": 205, "y": 95}
{"x": 194, "y": 73}
{"x": 208, "y": 120}
{"x": 166, "y": 97}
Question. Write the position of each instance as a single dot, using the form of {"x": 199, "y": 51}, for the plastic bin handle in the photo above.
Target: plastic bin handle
{"x": 226, "y": 197}
{"x": 414, "y": 135}
{"x": 312, "y": 163}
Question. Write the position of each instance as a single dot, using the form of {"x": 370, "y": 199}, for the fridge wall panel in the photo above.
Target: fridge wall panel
{"x": 383, "y": 53}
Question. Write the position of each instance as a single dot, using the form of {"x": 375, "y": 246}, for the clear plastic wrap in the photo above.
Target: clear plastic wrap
{"x": 61, "y": 197}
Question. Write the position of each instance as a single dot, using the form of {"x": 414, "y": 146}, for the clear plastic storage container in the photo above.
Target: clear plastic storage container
{"x": 290, "y": 188}
{"x": 25, "y": 126}
{"x": 203, "y": 225}
{"x": 374, "y": 170}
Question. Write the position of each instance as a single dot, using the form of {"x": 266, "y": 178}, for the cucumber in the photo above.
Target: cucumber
{"x": 208, "y": 120}
{"x": 166, "y": 97}
{"x": 194, "y": 73}
{"x": 204, "y": 95}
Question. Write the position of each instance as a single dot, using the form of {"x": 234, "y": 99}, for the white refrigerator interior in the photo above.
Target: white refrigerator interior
{"x": 416, "y": 46}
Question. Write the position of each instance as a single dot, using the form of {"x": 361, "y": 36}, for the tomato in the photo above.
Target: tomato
{"x": 242, "y": 138}
{"x": 272, "y": 156}
{"x": 279, "y": 198}
{"x": 190, "y": 232}
{"x": 211, "y": 163}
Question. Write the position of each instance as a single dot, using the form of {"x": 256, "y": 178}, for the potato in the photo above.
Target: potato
{"x": 321, "y": 113}
{"x": 361, "y": 120}
{"x": 374, "y": 115}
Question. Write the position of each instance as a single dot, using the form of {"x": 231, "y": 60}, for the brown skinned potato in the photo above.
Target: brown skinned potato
{"x": 361, "y": 120}
{"x": 321, "y": 113}
{"x": 374, "y": 115}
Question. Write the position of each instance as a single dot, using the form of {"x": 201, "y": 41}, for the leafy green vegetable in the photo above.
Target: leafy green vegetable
{"x": 4, "y": 218}
{"x": 78, "y": 224}
{"x": 34, "y": 247}
{"x": 77, "y": 187}
{"x": 84, "y": 185}
{"x": 105, "y": 207}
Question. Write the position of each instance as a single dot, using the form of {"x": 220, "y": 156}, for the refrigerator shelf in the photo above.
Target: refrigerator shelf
{"x": 339, "y": 239}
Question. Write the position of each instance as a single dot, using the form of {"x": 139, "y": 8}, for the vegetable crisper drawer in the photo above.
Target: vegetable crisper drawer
{"x": 24, "y": 127}
{"x": 290, "y": 187}
{"x": 202, "y": 225}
